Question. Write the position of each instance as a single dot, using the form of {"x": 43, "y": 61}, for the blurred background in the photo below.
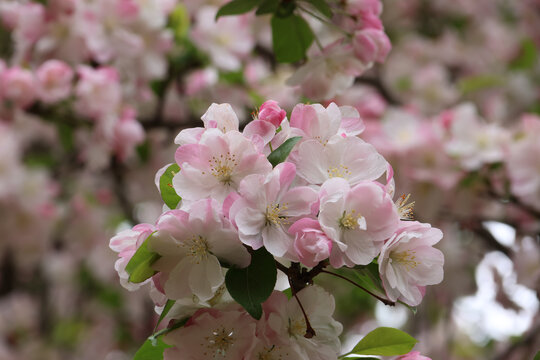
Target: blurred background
{"x": 93, "y": 92}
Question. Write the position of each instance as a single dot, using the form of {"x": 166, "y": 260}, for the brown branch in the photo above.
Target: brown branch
{"x": 381, "y": 299}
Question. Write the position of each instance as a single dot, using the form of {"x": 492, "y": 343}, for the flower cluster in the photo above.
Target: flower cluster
{"x": 306, "y": 191}
{"x": 333, "y": 69}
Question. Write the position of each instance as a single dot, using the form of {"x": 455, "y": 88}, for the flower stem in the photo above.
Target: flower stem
{"x": 383, "y": 300}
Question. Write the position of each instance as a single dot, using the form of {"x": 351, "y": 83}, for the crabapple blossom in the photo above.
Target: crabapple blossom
{"x": 329, "y": 73}
{"x": 371, "y": 45}
{"x": 220, "y": 116}
{"x": 98, "y": 91}
{"x": 190, "y": 241}
{"x": 125, "y": 244}
{"x": 408, "y": 262}
{"x": 272, "y": 113}
{"x": 54, "y": 81}
{"x": 319, "y": 123}
{"x": 358, "y": 219}
{"x": 285, "y": 324}
{"x": 18, "y": 86}
{"x": 266, "y": 205}
{"x": 216, "y": 165}
{"x": 311, "y": 244}
{"x": 226, "y": 334}
{"x": 348, "y": 157}
{"x": 227, "y": 40}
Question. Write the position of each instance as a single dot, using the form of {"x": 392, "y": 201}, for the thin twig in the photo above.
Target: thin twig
{"x": 383, "y": 300}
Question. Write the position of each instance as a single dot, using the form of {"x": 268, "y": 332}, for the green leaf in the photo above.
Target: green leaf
{"x": 527, "y": 58}
{"x": 168, "y": 305}
{"x": 252, "y": 285}
{"x": 479, "y": 82}
{"x": 322, "y": 6}
{"x": 267, "y": 7}
{"x": 151, "y": 350}
{"x": 385, "y": 341}
{"x": 168, "y": 194}
{"x": 368, "y": 277}
{"x": 281, "y": 153}
{"x": 291, "y": 38}
{"x": 139, "y": 267}
{"x": 236, "y": 7}
{"x": 65, "y": 132}
{"x": 537, "y": 356}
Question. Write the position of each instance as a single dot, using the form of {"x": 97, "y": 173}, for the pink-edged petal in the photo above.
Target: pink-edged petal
{"x": 299, "y": 201}
{"x": 261, "y": 128}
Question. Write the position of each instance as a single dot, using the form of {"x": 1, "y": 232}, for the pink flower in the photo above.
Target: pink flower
{"x": 272, "y": 113}
{"x": 98, "y": 91}
{"x": 18, "y": 85}
{"x": 227, "y": 40}
{"x": 311, "y": 243}
{"x": 54, "y": 81}
{"x": 413, "y": 355}
{"x": 320, "y": 123}
{"x": 358, "y": 219}
{"x": 265, "y": 205}
{"x": 213, "y": 334}
{"x": 371, "y": 45}
{"x": 349, "y": 158}
{"x": 128, "y": 133}
{"x": 326, "y": 75}
{"x": 190, "y": 241}
{"x": 216, "y": 165}
{"x": 285, "y": 324}
{"x": 220, "y": 116}
{"x": 408, "y": 262}
{"x": 126, "y": 244}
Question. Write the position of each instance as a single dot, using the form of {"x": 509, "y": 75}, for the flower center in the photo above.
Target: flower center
{"x": 405, "y": 258}
{"x": 223, "y": 166}
{"x": 273, "y": 214}
{"x": 342, "y": 171}
{"x": 220, "y": 341}
{"x": 351, "y": 220}
{"x": 197, "y": 248}
{"x": 297, "y": 327}
{"x": 266, "y": 354}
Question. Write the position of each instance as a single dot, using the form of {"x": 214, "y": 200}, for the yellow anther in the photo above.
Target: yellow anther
{"x": 273, "y": 214}
{"x": 405, "y": 258}
{"x": 342, "y": 171}
{"x": 405, "y": 210}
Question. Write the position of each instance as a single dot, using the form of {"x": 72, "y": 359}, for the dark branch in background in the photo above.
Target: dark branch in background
{"x": 492, "y": 192}
{"x": 120, "y": 189}
{"x": 478, "y": 229}
{"x": 528, "y": 340}
{"x": 377, "y": 83}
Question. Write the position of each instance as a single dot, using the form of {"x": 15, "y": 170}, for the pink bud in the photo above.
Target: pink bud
{"x": 272, "y": 113}
{"x": 371, "y": 45}
{"x": 54, "y": 81}
{"x": 311, "y": 243}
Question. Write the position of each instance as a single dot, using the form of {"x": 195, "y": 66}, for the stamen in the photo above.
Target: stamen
{"x": 405, "y": 258}
{"x": 351, "y": 221}
{"x": 197, "y": 248}
{"x": 223, "y": 166}
{"x": 405, "y": 211}
{"x": 220, "y": 341}
{"x": 342, "y": 171}
{"x": 273, "y": 214}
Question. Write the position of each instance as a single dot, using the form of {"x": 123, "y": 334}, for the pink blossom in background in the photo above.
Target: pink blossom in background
{"x": 18, "y": 86}
{"x": 98, "y": 91}
{"x": 54, "y": 79}
{"x": 371, "y": 45}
